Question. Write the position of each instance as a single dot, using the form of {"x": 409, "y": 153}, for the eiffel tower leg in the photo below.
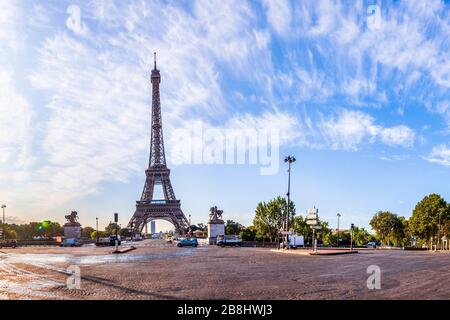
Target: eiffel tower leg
{"x": 147, "y": 193}
{"x": 167, "y": 187}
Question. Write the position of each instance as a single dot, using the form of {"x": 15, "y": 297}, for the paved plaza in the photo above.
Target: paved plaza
{"x": 158, "y": 270}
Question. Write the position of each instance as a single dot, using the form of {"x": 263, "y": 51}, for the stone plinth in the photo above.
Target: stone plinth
{"x": 72, "y": 231}
{"x": 215, "y": 227}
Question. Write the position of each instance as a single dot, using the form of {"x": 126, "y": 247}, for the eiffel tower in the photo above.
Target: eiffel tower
{"x": 148, "y": 209}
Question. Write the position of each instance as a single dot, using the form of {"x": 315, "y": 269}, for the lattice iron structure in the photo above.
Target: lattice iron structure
{"x": 169, "y": 208}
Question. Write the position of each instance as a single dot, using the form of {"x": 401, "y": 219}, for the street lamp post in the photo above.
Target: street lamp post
{"x": 3, "y": 225}
{"x": 439, "y": 230}
{"x": 96, "y": 222}
{"x": 189, "y": 224}
{"x": 289, "y": 160}
{"x": 351, "y": 237}
{"x": 338, "y": 216}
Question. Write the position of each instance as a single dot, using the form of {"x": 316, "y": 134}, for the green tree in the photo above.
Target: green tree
{"x": 325, "y": 234}
{"x": 361, "y": 236}
{"x": 248, "y": 233}
{"x": 232, "y": 227}
{"x": 299, "y": 225}
{"x": 86, "y": 232}
{"x": 425, "y": 217}
{"x": 101, "y": 234}
{"x": 388, "y": 227}
{"x": 111, "y": 228}
{"x": 8, "y": 230}
{"x": 269, "y": 217}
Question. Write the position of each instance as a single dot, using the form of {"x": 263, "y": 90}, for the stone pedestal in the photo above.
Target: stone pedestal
{"x": 215, "y": 227}
{"x": 72, "y": 231}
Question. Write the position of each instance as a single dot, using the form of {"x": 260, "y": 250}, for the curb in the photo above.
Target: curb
{"x": 125, "y": 250}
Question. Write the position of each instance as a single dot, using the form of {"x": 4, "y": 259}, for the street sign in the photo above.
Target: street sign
{"x": 311, "y": 222}
{"x": 311, "y": 216}
{"x": 290, "y": 233}
{"x": 316, "y": 227}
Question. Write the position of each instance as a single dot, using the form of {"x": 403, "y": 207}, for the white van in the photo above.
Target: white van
{"x": 296, "y": 241}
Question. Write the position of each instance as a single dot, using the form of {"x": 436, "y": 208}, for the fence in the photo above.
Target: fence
{"x": 260, "y": 244}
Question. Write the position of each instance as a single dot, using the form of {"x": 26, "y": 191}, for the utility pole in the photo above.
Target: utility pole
{"x": 338, "y": 216}
{"x": 289, "y": 160}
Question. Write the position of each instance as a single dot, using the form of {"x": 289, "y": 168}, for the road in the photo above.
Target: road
{"x": 157, "y": 270}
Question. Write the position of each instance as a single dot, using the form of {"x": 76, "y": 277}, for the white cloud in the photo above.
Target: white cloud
{"x": 279, "y": 15}
{"x": 9, "y": 17}
{"x": 440, "y": 155}
{"x": 15, "y": 123}
{"x": 350, "y": 129}
{"x": 398, "y": 135}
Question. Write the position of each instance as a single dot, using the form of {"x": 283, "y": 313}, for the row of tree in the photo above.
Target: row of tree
{"x": 269, "y": 218}
{"x": 430, "y": 219}
{"x": 49, "y": 230}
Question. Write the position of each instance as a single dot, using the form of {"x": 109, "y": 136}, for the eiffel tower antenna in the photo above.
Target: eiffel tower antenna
{"x": 157, "y": 173}
{"x": 154, "y": 55}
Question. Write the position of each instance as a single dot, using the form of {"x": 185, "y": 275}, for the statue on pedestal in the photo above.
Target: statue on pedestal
{"x": 72, "y": 229}
{"x": 216, "y": 226}
{"x": 72, "y": 219}
{"x": 215, "y": 214}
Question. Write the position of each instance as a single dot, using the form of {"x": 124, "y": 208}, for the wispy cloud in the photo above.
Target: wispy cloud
{"x": 279, "y": 15}
{"x": 440, "y": 155}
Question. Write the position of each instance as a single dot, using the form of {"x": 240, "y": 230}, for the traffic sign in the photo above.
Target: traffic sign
{"x": 316, "y": 227}
{"x": 311, "y": 222}
{"x": 311, "y": 216}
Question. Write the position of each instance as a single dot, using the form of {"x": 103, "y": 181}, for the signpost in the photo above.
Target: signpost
{"x": 312, "y": 219}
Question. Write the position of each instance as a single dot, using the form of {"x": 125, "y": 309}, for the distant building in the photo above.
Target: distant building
{"x": 152, "y": 227}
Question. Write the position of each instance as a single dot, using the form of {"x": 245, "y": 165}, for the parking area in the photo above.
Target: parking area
{"x": 158, "y": 270}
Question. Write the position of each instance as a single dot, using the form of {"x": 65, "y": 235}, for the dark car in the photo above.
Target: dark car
{"x": 188, "y": 242}
{"x": 8, "y": 244}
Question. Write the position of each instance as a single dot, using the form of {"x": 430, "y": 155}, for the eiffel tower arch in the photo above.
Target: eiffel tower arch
{"x": 148, "y": 208}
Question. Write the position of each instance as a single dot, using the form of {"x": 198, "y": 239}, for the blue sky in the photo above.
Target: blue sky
{"x": 358, "y": 92}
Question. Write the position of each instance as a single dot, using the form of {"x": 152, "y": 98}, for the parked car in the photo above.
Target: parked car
{"x": 188, "y": 242}
{"x": 8, "y": 244}
{"x": 71, "y": 242}
{"x": 371, "y": 244}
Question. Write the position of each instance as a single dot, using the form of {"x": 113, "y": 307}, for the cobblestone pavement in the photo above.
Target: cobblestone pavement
{"x": 158, "y": 270}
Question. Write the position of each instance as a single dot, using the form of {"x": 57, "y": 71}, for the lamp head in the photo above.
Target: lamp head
{"x": 289, "y": 159}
